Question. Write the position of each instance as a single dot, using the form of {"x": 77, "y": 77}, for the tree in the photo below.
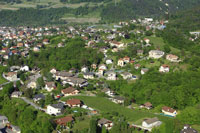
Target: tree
{"x": 167, "y": 48}
{"x": 28, "y": 93}
{"x": 93, "y": 126}
{"x": 49, "y": 99}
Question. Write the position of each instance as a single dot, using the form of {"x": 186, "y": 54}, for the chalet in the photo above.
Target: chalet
{"x": 11, "y": 76}
{"x": 118, "y": 100}
{"x": 106, "y": 123}
{"x": 46, "y": 41}
{"x": 147, "y": 105}
{"x": 73, "y": 103}
{"x": 126, "y": 75}
{"x": 144, "y": 70}
{"x": 38, "y": 97}
{"x": 111, "y": 75}
{"x": 120, "y": 62}
{"x": 69, "y": 91}
{"x": 49, "y": 86}
{"x": 151, "y": 122}
{"x": 164, "y": 68}
{"x": 55, "y": 109}
{"x": 156, "y": 54}
{"x": 3, "y": 120}
{"x": 140, "y": 52}
{"x": 102, "y": 66}
{"x": 73, "y": 81}
{"x": 63, "y": 75}
{"x": 109, "y": 92}
{"x": 64, "y": 121}
{"x": 88, "y": 75}
{"x": 126, "y": 59}
{"x": 84, "y": 69}
{"x": 20, "y": 45}
{"x": 188, "y": 129}
{"x": 169, "y": 111}
{"x": 16, "y": 94}
{"x": 172, "y": 58}
{"x": 116, "y": 44}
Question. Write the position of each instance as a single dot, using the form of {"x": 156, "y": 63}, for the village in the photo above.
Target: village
{"x": 65, "y": 90}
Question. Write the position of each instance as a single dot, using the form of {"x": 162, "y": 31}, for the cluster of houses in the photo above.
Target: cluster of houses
{"x": 7, "y": 127}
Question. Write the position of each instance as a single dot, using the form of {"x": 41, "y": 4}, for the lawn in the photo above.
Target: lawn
{"x": 82, "y": 124}
{"x": 2, "y": 80}
{"x": 104, "y": 105}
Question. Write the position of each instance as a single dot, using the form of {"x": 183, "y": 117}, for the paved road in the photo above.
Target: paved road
{"x": 32, "y": 104}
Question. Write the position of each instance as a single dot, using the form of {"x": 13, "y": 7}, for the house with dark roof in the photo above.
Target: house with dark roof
{"x": 49, "y": 86}
{"x": 188, "y": 129}
{"x": 38, "y": 97}
{"x": 106, "y": 123}
{"x": 55, "y": 109}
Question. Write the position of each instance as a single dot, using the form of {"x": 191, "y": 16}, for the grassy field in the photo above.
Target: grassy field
{"x": 81, "y": 125}
{"x": 159, "y": 43}
{"x": 104, "y": 105}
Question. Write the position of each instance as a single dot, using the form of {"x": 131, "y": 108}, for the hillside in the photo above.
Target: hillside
{"x": 92, "y": 11}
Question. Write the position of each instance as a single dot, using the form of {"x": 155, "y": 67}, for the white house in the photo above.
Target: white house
{"x": 169, "y": 111}
{"x": 88, "y": 75}
{"x": 84, "y": 69}
{"x": 109, "y": 61}
{"x": 151, "y": 122}
{"x": 11, "y": 76}
{"x": 16, "y": 94}
{"x": 111, "y": 75}
{"x": 164, "y": 68}
{"x": 116, "y": 44}
{"x": 144, "y": 70}
{"x": 24, "y": 68}
{"x": 109, "y": 92}
{"x": 172, "y": 58}
{"x": 156, "y": 54}
{"x": 102, "y": 66}
{"x": 120, "y": 62}
{"x": 55, "y": 109}
{"x": 126, "y": 75}
{"x": 49, "y": 86}
{"x": 106, "y": 123}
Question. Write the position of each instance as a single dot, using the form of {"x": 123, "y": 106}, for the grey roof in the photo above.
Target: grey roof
{"x": 104, "y": 121}
{"x": 76, "y": 80}
{"x": 118, "y": 98}
{"x": 3, "y": 117}
{"x": 64, "y": 74}
{"x": 151, "y": 120}
{"x": 39, "y": 96}
{"x": 188, "y": 129}
{"x": 105, "y": 90}
{"x": 58, "y": 105}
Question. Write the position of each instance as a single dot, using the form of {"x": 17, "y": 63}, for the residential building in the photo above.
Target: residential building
{"x": 106, "y": 123}
{"x": 164, "y": 68}
{"x": 151, "y": 122}
{"x": 55, "y": 109}
{"x": 156, "y": 54}
{"x": 69, "y": 91}
{"x": 73, "y": 103}
{"x": 169, "y": 111}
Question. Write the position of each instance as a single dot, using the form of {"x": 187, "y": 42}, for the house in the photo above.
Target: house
{"x": 169, "y": 111}
{"x": 109, "y": 61}
{"x": 188, "y": 129}
{"x": 94, "y": 66}
{"x": 73, "y": 81}
{"x": 12, "y": 129}
{"x": 137, "y": 66}
{"x": 111, "y": 75}
{"x": 11, "y": 76}
{"x": 144, "y": 70}
{"x": 36, "y": 49}
{"x": 102, "y": 66}
{"x": 164, "y": 68}
{"x": 24, "y": 68}
{"x": 109, "y": 92}
{"x": 151, "y": 122}
{"x": 106, "y": 123}
{"x": 20, "y": 44}
{"x": 3, "y": 120}
{"x": 69, "y": 91}
{"x": 156, "y": 54}
{"x": 49, "y": 86}
{"x": 88, "y": 75}
{"x": 126, "y": 59}
{"x": 116, "y": 44}
{"x": 73, "y": 103}
{"x": 120, "y": 62}
{"x": 172, "y": 58}
{"x": 147, "y": 105}
{"x": 64, "y": 121}
{"x": 46, "y": 41}
{"x": 84, "y": 69}
{"x": 101, "y": 72}
{"x": 16, "y": 94}
{"x": 55, "y": 109}
{"x": 146, "y": 40}
{"x": 118, "y": 100}
{"x": 140, "y": 52}
{"x": 38, "y": 97}
{"x": 63, "y": 75}
{"x": 33, "y": 81}
{"x": 126, "y": 75}
{"x": 53, "y": 71}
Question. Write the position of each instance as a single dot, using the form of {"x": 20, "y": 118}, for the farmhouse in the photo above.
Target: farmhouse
{"x": 106, "y": 123}
{"x": 169, "y": 111}
{"x": 156, "y": 54}
{"x": 69, "y": 91}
